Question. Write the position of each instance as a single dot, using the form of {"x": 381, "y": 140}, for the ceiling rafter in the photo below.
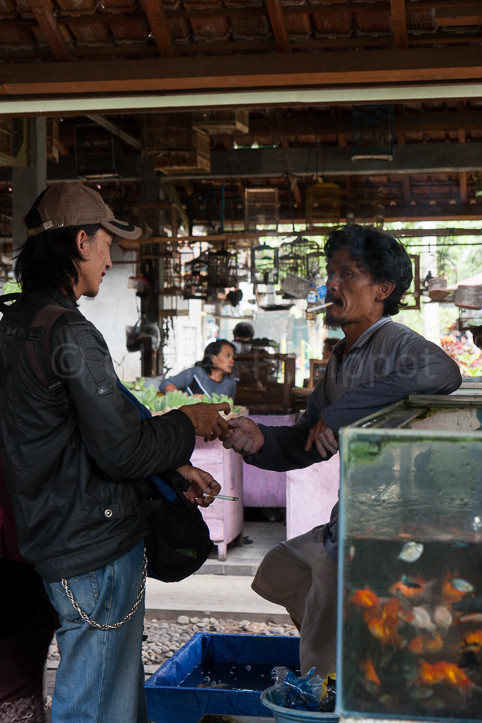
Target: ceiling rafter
{"x": 157, "y": 18}
{"x": 44, "y": 16}
{"x": 278, "y": 26}
{"x": 421, "y": 65}
{"x": 399, "y": 23}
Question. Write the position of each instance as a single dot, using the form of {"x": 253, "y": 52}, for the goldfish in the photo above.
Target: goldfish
{"x": 409, "y": 587}
{"x": 365, "y": 598}
{"x": 454, "y": 589}
{"x": 385, "y": 631}
{"x": 442, "y": 671}
{"x": 371, "y": 679}
{"x": 421, "y": 619}
{"x": 472, "y": 641}
{"x": 442, "y": 617}
{"x": 421, "y": 644}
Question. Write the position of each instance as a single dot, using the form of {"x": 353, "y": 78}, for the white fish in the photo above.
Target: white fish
{"x": 411, "y": 551}
{"x": 442, "y": 617}
{"x": 421, "y": 619}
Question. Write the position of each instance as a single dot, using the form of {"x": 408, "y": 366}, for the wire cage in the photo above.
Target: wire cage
{"x": 322, "y": 203}
{"x": 264, "y": 264}
{"x": 222, "y": 269}
{"x": 302, "y": 257}
{"x": 372, "y": 131}
{"x": 169, "y": 270}
{"x": 195, "y": 282}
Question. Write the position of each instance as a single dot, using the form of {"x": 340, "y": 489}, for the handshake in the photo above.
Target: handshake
{"x": 244, "y": 436}
{"x": 241, "y": 434}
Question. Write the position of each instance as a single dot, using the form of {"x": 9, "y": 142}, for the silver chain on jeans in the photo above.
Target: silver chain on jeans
{"x": 102, "y": 626}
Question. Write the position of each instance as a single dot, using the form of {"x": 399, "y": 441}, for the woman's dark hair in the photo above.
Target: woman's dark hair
{"x": 211, "y": 350}
{"x": 50, "y": 259}
{"x": 380, "y": 253}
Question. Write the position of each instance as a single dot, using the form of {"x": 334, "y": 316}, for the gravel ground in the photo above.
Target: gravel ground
{"x": 164, "y": 637}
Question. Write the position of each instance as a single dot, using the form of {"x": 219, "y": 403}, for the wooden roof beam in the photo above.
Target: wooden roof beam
{"x": 399, "y": 23}
{"x": 278, "y": 26}
{"x": 157, "y": 18}
{"x": 453, "y": 17}
{"x": 208, "y": 74}
{"x": 44, "y": 16}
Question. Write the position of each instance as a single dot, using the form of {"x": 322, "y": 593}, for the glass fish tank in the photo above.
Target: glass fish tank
{"x": 410, "y": 585}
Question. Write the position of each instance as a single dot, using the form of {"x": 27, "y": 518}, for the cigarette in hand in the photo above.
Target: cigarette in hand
{"x": 221, "y": 497}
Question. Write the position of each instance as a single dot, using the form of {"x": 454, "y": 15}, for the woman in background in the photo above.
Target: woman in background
{"x": 211, "y": 375}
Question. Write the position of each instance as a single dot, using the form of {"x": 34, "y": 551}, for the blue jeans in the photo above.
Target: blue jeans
{"x": 101, "y": 677}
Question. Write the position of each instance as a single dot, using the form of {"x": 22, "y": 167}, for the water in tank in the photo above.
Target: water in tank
{"x": 410, "y": 617}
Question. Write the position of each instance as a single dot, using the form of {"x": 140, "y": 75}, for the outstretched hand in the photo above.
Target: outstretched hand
{"x": 244, "y": 436}
{"x": 206, "y": 419}
{"x": 200, "y": 482}
{"x": 323, "y": 438}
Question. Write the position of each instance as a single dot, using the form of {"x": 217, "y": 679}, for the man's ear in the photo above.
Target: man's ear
{"x": 81, "y": 241}
{"x": 384, "y": 290}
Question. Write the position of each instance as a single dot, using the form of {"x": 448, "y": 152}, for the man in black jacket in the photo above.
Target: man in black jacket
{"x": 78, "y": 459}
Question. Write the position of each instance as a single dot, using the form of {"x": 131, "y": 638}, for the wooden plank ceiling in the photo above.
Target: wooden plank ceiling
{"x": 412, "y": 157}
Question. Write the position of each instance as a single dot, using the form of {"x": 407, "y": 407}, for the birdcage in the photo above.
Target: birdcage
{"x": 365, "y": 203}
{"x": 264, "y": 264}
{"x": 300, "y": 258}
{"x": 222, "y": 269}
{"x": 322, "y": 203}
{"x": 169, "y": 270}
{"x": 372, "y": 132}
{"x": 261, "y": 207}
{"x": 195, "y": 280}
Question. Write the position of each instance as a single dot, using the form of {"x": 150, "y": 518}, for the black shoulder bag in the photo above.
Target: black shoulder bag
{"x": 178, "y": 542}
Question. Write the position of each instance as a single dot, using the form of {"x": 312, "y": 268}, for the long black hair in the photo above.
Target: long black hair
{"x": 212, "y": 349}
{"x": 50, "y": 259}
{"x": 380, "y": 253}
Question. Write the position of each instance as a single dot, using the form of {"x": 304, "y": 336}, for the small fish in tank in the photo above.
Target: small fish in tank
{"x": 418, "y": 630}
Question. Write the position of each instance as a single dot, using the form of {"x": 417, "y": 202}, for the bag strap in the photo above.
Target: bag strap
{"x": 39, "y": 353}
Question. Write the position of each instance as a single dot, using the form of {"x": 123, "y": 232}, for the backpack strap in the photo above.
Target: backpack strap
{"x": 37, "y": 344}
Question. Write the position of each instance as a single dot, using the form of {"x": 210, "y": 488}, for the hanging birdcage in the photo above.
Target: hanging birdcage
{"x": 298, "y": 258}
{"x": 264, "y": 264}
{"x": 169, "y": 270}
{"x": 322, "y": 203}
{"x": 372, "y": 132}
{"x": 222, "y": 269}
{"x": 195, "y": 281}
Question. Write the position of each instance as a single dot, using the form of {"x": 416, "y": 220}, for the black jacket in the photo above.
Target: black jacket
{"x": 77, "y": 465}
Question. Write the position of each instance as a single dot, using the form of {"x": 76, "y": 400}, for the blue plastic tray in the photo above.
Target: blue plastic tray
{"x": 167, "y": 702}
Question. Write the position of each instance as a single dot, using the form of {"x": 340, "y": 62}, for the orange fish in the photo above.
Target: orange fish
{"x": 385, "y": 631}
{"x": 429, "y": 674}
{"x": 450, "y": 673}
{"x": 451, "y": 593}
{"x": 370, "y": 672}
{"x": 410, "y": 587}
{"x": 365, "y": 598}
{"x": 426, "y": 644}
{"x": 472, "y": 641}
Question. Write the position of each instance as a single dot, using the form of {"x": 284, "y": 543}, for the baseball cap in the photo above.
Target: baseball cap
{"x": 74, "y": 204}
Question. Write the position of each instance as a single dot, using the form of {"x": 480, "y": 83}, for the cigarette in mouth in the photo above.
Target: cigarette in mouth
{"x": 320, "y": 306}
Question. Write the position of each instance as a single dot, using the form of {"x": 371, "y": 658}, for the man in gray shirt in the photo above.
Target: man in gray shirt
{"x": 377, "y": 363}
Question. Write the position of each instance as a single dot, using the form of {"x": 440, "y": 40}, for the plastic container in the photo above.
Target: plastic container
{"x": 410, "y": 559}
{"x": 169, "y": 701}
{"x": 290, "y": 714}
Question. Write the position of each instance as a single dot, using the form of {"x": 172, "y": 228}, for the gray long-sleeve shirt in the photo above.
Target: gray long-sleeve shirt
{"x": 387, "y": 362}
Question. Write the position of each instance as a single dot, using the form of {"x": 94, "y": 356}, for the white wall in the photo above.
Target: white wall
{"x": 114, "y": 308}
